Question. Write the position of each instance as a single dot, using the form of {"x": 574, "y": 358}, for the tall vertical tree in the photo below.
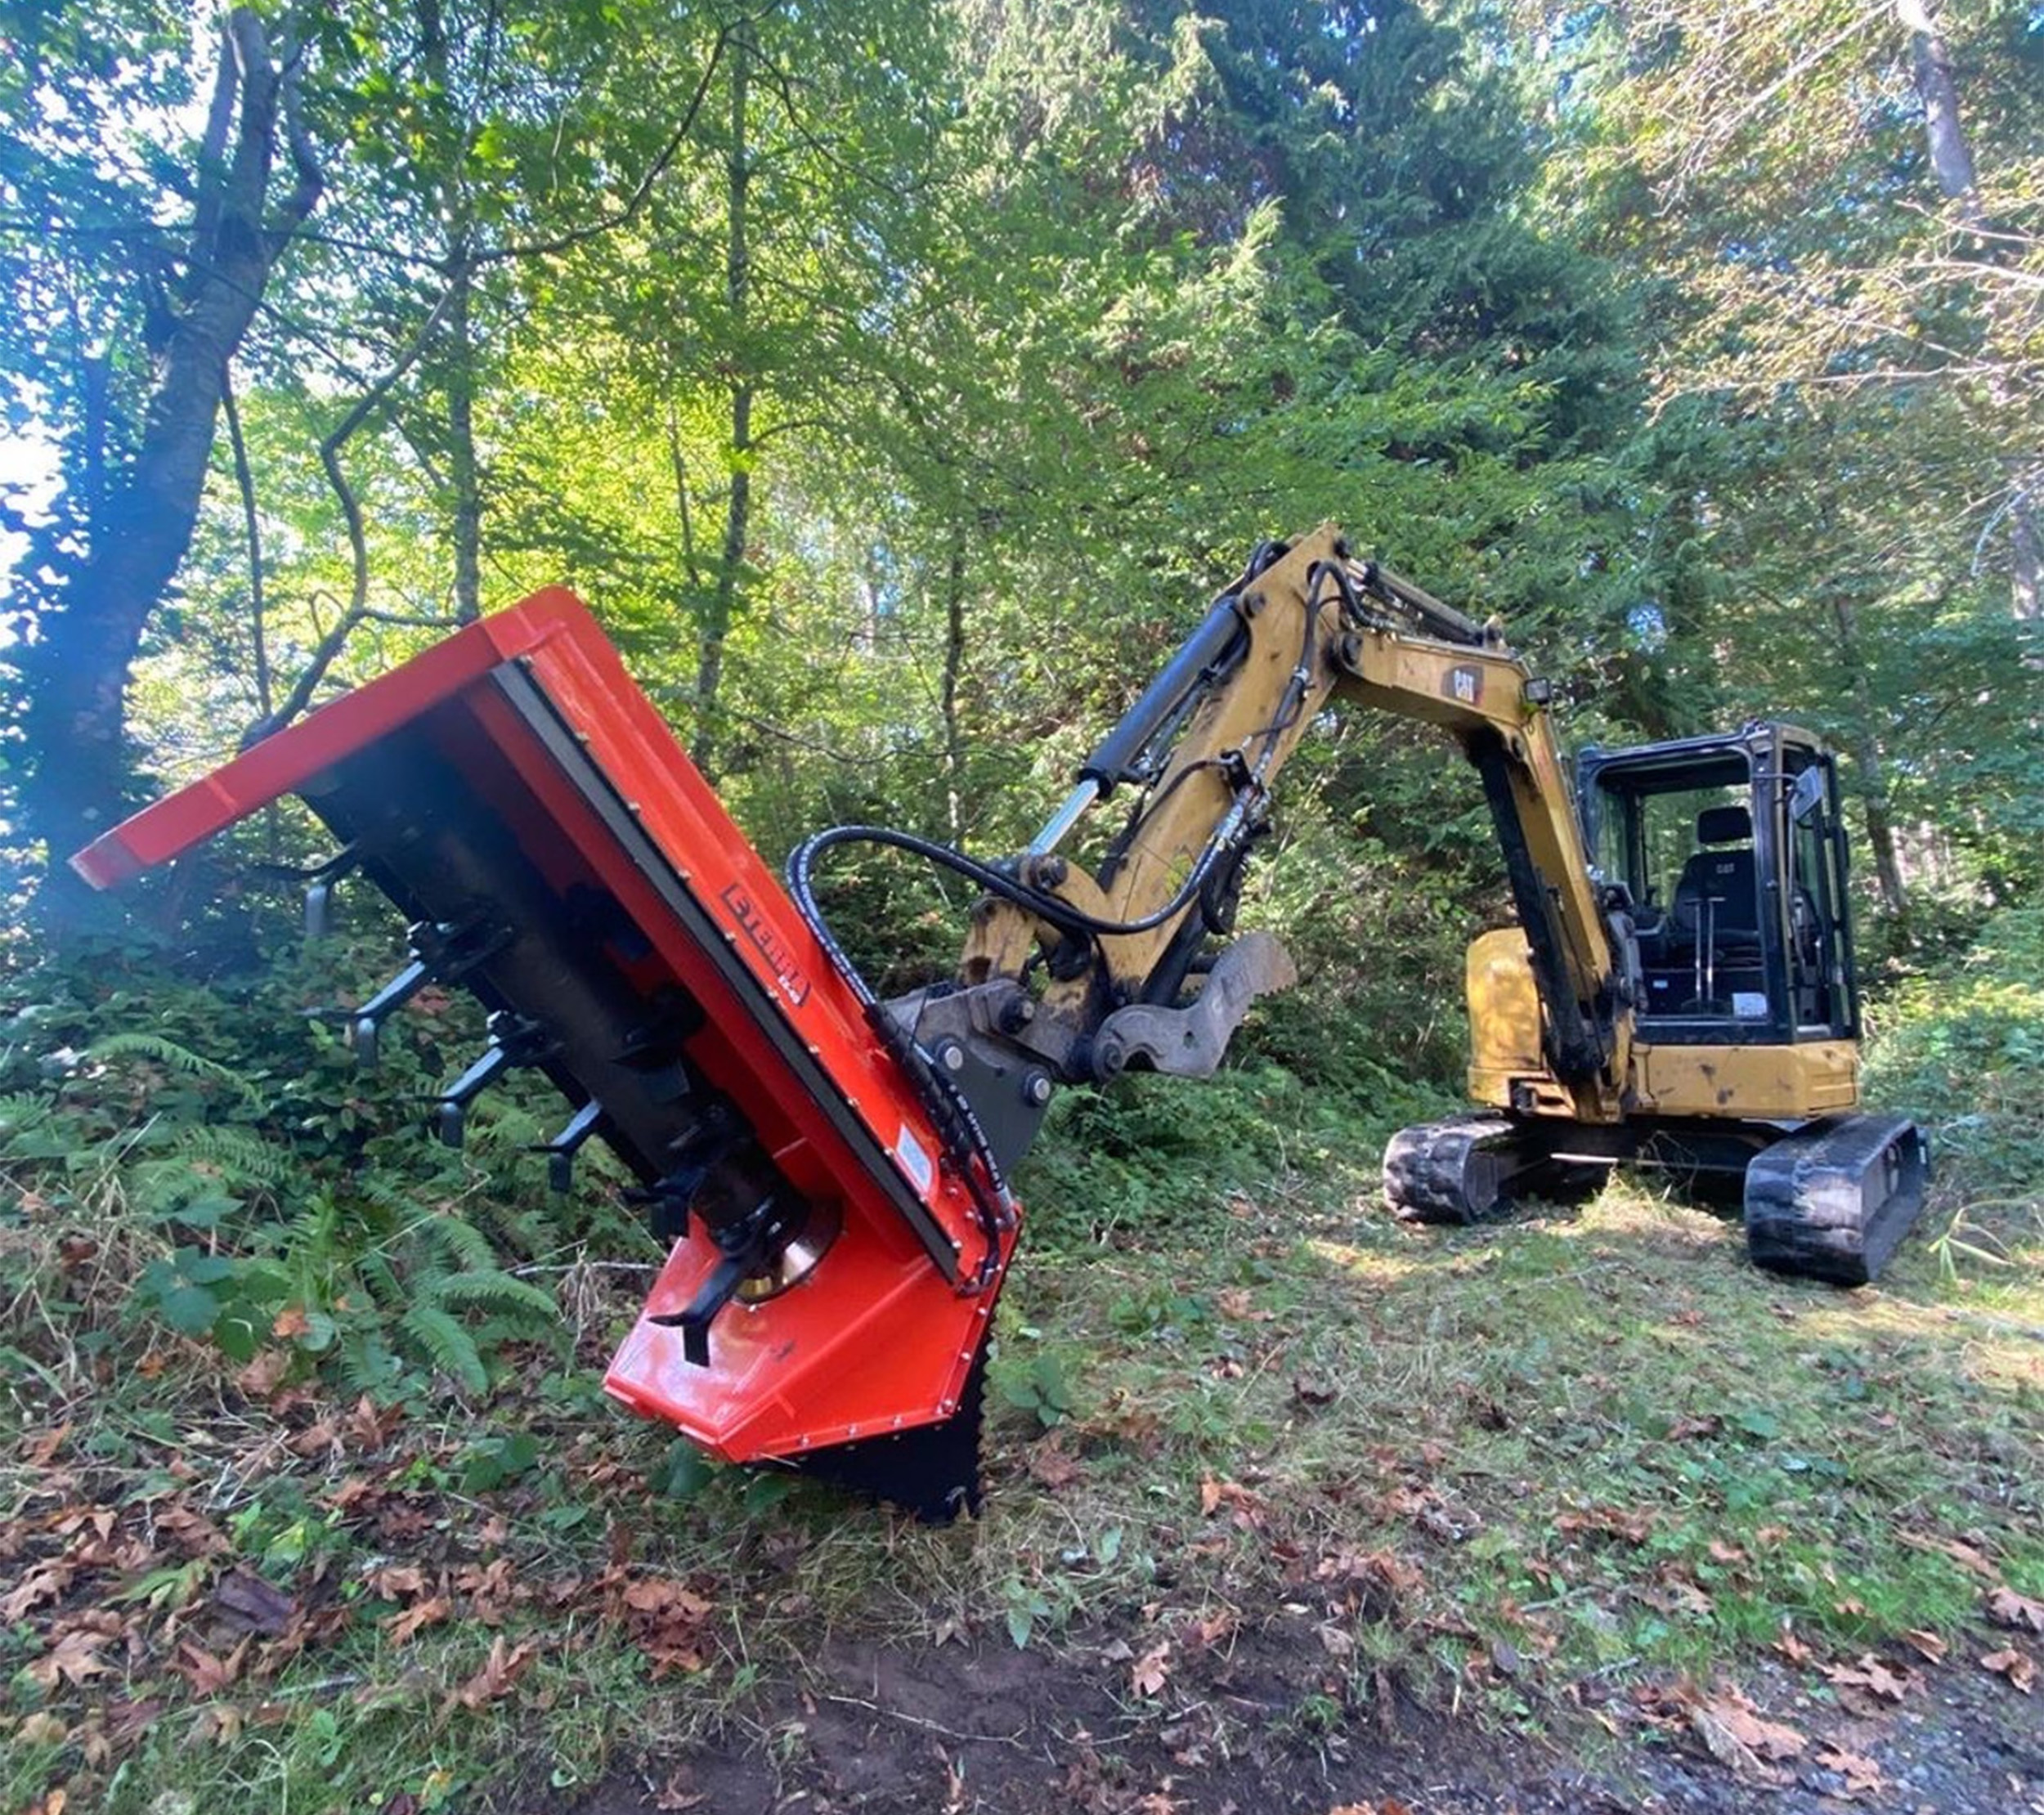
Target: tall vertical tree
{"x": 134, "y": 289}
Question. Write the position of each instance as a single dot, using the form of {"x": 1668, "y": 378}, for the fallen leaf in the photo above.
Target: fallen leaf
{"x": 1740, "y": 1737}
{"x": 1684, "y": 1428}
{"x": 191, "y": 1531}
{"x": 40, "y": 1450}
{"x": 501, "y": 1671}
{"x": 1927, "y": 1645}
{"x": 403, "y": 1626}
{"x": 2005, "y": 1607}
{"x": 1053, "y": 1466}
{"x": 290, "y": 1323}
{"x": 1607, "y": 1521}
{"x": 74, "y": 1659}
{"x": 1862, "y": 1776}
{"x": 397, "y": 1581}
{"x": 317, "y": 1439}
{"x": 1149, "y": 1672}
{"x": 1963, "y": 1554}
{"x": 1792, "y": 1648}
{"x": 208, "y": 1674}
{"x": 41, "y": 1728}
{"x": 249, "y": 1604}
{"x": 45, "y": 1582}
{"x": 1869, "y": 1682}
{"x": 2017, "y": 1666}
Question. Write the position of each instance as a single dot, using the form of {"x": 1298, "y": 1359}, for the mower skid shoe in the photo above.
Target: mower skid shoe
{"x": 633, "y": 949}
{"x": 1464, "y": 1171}
{"x": 1831, "y": 1201}
{"x": 934, "y": 1473}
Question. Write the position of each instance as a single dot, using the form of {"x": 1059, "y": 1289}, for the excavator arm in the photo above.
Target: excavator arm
{"x": 1085, "y": 975}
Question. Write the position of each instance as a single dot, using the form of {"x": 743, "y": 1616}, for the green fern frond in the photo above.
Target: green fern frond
{"x": 449, "y": 1346}
{"x": 173, "y": 1057}
{"x": 381, "y": 1280}
{"x": 243, "y": 1156}
{"x": 464, "y": 1244}
{"x": 498, "y": 1293}
{"x": 20, "y": 1111}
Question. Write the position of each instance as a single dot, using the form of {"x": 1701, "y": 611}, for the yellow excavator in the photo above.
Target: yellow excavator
{"x": 1679, "y": 991}
{"x": 831, "y": 1169}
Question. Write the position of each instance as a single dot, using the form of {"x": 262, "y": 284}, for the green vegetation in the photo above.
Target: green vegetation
{"x": 894, "y": 380}
{"x": 325, "y": 1550}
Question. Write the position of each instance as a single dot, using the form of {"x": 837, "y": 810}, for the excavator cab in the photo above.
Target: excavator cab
{"x": 1727, "y": 856}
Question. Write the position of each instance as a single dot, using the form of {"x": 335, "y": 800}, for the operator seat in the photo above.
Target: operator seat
{"x": 1723, "y": 876}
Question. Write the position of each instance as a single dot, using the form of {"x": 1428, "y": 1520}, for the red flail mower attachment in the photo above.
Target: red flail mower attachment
{"x": 836, "y": 1252}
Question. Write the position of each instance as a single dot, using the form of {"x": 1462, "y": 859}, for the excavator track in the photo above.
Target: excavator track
{"x": 1465, "y": 1170}
{"x": 1830, "y": 1201}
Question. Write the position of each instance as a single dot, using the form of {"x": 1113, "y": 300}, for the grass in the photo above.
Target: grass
{"x": 1508, "y": 1471}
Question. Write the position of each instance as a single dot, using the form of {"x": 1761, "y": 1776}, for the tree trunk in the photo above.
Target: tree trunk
{"x": 463, "y": 472}
{"x": 954, "y": 668}
{"x": 141, "y": 524}
{"x": 738, "y": 506}
{"x": 463, "y": 479}
{"x": 1873, "y": 768}
{"x": 1931, "y": 63}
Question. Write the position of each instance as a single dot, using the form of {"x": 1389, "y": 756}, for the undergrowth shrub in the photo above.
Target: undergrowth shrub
{"x": 1962, "y": 1051}
{"x": 207, "y": 1159}
{"x": 1152, "y": 1158}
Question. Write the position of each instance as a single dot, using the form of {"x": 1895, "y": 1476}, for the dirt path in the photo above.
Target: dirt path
{"x": 1008, "y": 1732}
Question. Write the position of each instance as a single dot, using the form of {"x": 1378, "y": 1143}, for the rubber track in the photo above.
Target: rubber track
{"x": 1831, "y": 1201}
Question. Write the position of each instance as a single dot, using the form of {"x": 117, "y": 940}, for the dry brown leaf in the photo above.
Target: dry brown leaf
{"x": 41, "y": 1728}
{"x": 40, "y": 1450}
{"x": 2005, "y": 1607}
{"x": 74, "y": 1659}
{"x": 499, "y": 1673}
{"x": 45, "y": 1582}
{"x": 290, "y": 1323}
{"x": 1149, "y": 1674}
{"x": 1053, "y": 1466}
{"x": 2016, "y": 1666}
{"x": 1926, "y": 1645}
{"x": 208, "y": 1674}
{"x": 1862, "y": 1776}
{"x": 1869, "y": 1681}
{"x": 191, "y": 1531}
{"x": 316, "y": 1439}
{"x": 1607, "y": 1521}
{"x": 1740, "y": 1737}
{"x": 402, "y": 1626}
{"x": 397, "y": 1581}
{"x": 1963, "y": 1554}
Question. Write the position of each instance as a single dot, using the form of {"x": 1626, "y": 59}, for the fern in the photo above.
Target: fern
{"x": 466, "y": 1248}
{"x": 20, "y": 1111}
{"x": 173, "y": 1057}
{"x": 243, "y": 1159}
{"x": 497, "y": 1293}
{"x": 449, "y": 1346}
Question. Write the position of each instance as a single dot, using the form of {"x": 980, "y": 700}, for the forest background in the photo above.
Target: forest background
{"x": 896, "y": 380}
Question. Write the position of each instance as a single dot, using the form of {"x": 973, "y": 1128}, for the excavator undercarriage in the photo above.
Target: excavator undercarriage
{"x": 831, "y": 1170}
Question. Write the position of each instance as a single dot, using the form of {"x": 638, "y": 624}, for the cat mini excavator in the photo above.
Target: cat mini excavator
{"x": 831, "y": 1169}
